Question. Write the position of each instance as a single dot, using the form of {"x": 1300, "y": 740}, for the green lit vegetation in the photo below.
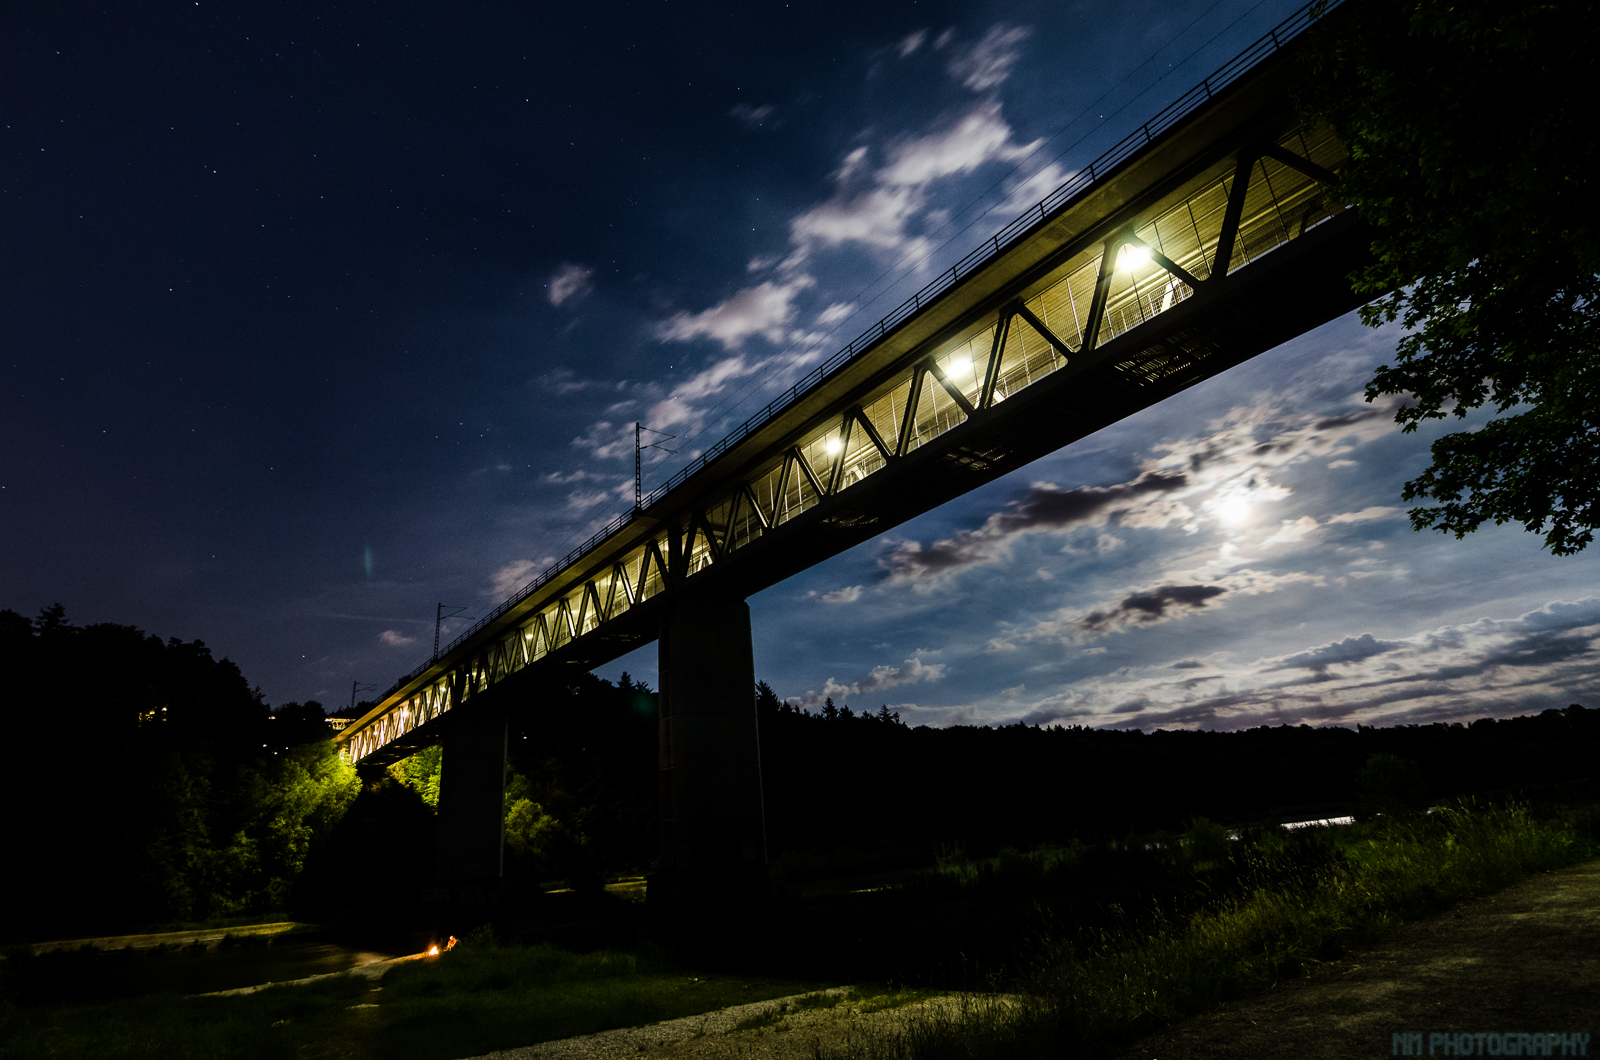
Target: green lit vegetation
{"x": 1257, "y": 910}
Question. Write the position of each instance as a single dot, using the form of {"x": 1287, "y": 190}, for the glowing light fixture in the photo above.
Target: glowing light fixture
{"x": 834, "y": 445}
{"x": 1133, "y": 255}
{"x": 961, "y": 365}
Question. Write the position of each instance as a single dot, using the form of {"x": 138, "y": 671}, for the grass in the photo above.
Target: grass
{"x": 478, "y": 998}
{"x": 1260, "y": 911}
{"x": 1125, "y": 937}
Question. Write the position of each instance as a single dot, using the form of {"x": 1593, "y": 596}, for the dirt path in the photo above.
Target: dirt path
{"x": 1524, "y": 960}
{"x": 788, "y": 1031}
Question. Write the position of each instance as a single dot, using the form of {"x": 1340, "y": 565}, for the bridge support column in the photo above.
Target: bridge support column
{"x": 713, "y": 835}
{"x": 472, "y": 787}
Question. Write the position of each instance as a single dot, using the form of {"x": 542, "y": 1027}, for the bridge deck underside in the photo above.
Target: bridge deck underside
{"x": 1225, "y": 252}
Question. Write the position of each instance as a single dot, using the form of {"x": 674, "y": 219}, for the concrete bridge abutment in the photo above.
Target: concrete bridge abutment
{"x": 713, "y": 831}
{"x": 470, "y": 839}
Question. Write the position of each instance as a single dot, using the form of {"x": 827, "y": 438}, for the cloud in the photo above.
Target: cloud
{"x": 1292, "y": 531}
{"x": 1366, "y": 515}
{"x": 876, "y": 218}
{"x": 570, "y": 283}
{"x": 395, "y": 639}
{"x": 762, "y": 117}
{"x": 1146, "y": 608}
{"x": 512, "y": 577}
{"x": 979, "y": 136}
{"x": 988, "y": 63}
{"x": 583, "y": 500}
{"x": 1351, "y": 649}
{"x": 760, "y": 310}
{"x": 682, "y": 404}
{"x": 605, "y": 440}
{"x": 911, "y": 672}
{"x": 910, "y": 43}
{"x": 875, "y": 207}
{"x": 1228, "y": 467}
{"x": 1026, "y": 192}
{"x": 834, "y": 313}
{"x": 1547, "y": 657}
{"x": 563, "y": 381}
{"x": 848, "y": 595}
{"x": 1046, "y": 507}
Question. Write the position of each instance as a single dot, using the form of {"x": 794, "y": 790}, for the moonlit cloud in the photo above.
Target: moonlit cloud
{"x": 762, "y": 117}
{"x": 912, "y": 671}
{"x": 848, "y": 595}
{"x": 1025, "y": 193}
{"x": 570, "y": 283}
{"x": 836, "y": 312}
{"x": 1491, "y": 667}
{"x": 910, "y": 43}
{"x": 760, "y": 310}
{"x": 1225, "y": 472}
{"x": 395, "y": 639}
{"x": 513, "y": 576}
{"x": 976, "y": 138}
{"x": 1150, "y": 606}
{"x": 563, "y": 381}
{"x": 988, "y": 63}
{"x": 603, "y": 440}
{"x": 1046, "y": 507}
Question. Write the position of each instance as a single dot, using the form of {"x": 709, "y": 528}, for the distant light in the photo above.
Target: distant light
{"x": 1134, "y": 255}
{"x": 834, "y": 446}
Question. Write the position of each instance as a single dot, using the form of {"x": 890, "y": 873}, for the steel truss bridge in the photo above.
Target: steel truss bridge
{"x": 1199, "y": 241}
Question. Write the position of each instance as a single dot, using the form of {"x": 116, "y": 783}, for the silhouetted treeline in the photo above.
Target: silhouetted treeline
{"x": 151, "y": 783}
{"x": 868, "y": 781}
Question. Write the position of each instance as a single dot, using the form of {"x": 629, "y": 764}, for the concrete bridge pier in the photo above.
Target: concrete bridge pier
{"x": 713, "y": 831}
{"x": 469, "y": 849}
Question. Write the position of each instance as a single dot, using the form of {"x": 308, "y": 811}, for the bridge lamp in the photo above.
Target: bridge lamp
{"x": 960, "y": 365}
{"x": 835, "y": 444}
{"x": 1133, "y": 255}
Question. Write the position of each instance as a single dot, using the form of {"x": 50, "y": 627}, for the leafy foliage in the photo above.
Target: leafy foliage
{"x": 159, "y": 786}
{"x": 1471, "y": 151}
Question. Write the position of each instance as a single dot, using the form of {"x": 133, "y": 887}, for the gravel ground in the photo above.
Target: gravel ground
{"x": 795, "y": 1034}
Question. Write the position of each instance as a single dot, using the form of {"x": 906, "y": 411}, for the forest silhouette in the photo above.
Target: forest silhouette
{"x": 160, "y": 787}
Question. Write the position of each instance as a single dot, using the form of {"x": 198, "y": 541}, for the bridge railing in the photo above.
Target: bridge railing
{"x": 1274, "y": 40}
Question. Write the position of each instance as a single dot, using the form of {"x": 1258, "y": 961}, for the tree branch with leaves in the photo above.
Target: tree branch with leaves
{"x": 1472, "y": 152}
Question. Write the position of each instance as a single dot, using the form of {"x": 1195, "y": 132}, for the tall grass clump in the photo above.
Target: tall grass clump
{"x": 1278, "y": 902}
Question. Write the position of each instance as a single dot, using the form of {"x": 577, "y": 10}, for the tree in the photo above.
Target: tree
{"x": 1391, "y": 786}
{"x": 1469, "y": 126}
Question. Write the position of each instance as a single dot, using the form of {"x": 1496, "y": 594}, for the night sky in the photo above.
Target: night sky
{"x": 316, "y": 316}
